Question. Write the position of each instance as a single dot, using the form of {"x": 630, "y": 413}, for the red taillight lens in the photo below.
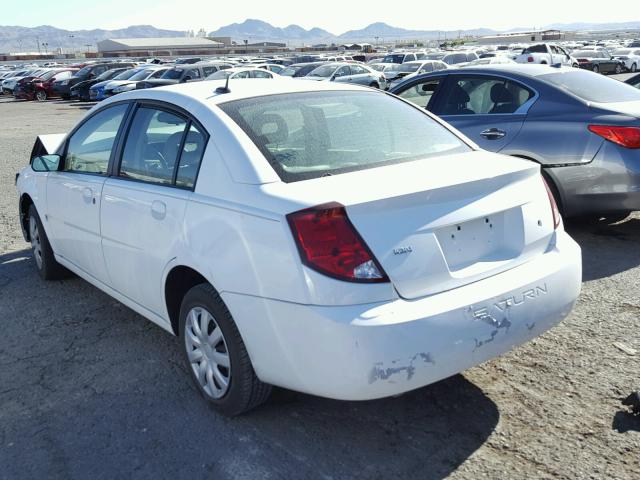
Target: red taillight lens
{"x": 628, "y": 137}
{"x": 529, "y": 59}
{"x": 329, "y": 243}
{"x": 555, "y": 211}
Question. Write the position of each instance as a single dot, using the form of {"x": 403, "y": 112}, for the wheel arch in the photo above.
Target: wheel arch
{"x": 25, "y": 203}
{"x": 179, "y": 280}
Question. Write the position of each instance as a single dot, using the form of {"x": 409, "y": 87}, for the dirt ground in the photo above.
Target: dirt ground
{"x": 89, "y": 389}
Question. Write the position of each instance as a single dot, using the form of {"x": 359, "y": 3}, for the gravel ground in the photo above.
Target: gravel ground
{"x": 88, "y": 389}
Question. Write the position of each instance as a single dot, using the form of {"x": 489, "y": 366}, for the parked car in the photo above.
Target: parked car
{"x": 414, "y": 67}
{"x": 184, "y": 73}
{"x": 497, "y": 60}
{"x": 81, "y": 90}
{"x": 630, "y": 57}
{"x": 321, "y": 237}
{"x": 599, "y": 61}
{"x": 22, "y": 85}
{"x": 398, "y": 57}
{"x": 348, "y": 73}
{"x": 272, "y": 67}
{"x": 242, "y": 72}
{"x": 582, "y": 128}
{"x": 90, "y": 71}
{"x": 300, "y": 69}
{"x": 634, "y": 81}
{"x": 140, "y": 74}
{"x": 9, "y": 83}
{"x": 25, "y": 89}
{"x": 459, "y": 58}
{"x": 43, "y": 87}
{"x": 546, "y": 54}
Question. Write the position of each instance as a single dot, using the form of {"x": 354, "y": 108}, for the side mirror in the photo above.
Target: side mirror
{"x": 46, "y": 163}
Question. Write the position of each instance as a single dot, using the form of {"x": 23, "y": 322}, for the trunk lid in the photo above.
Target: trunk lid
{"x": 439, "y": 224}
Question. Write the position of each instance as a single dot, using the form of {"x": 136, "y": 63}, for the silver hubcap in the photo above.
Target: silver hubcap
{"x": 36, "y": 244}
{"x": 41, "y": 96}
{"x": 207, "y": 352}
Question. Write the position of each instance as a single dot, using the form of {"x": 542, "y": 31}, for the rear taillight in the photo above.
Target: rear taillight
{"x": 555, "y": 211}
{"x": 329, "y": 243}
{"x": 529, "y": 59}
{"x": 628, "y": 137}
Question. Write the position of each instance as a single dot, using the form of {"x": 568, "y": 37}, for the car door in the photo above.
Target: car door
{"x": 342, "y": 74}
{"x": 145, "y": 199}
{"x": 488, "y": 109}
{"x": 74, "y": 195}
{"x": 361, "y": 75}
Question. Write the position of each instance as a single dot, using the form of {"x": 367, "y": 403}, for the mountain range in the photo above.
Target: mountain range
{"x": 51, "y": 39}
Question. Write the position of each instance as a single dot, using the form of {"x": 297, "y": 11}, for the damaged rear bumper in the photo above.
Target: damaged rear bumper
{"x": 363, "y": 352}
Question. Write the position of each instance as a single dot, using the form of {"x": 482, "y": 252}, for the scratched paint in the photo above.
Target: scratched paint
{"x": 380, "y": 373}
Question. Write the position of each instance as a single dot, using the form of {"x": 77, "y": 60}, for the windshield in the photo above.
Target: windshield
{"x": 397, "y": 58}
{"x": 173, "y": 74}
{"x": 314, "y": 134}
{"x": 324, "y": 71}
{"x": 593, "y": 87}
{"x": 219, "y": 75}
{"x": 142, "y": 74}
{"x": 49, "y": 74}
{"x": 409, "y": 67}
{"x": 126, "y": 75}
{"x": 289, "y": 71}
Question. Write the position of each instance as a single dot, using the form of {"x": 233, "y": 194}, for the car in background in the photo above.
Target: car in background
{"x": 272, "y": 67}
{"x": 459, "y": 58}
{"x": 630, "y": 57}
{"x": 242, "y": 72}
{"x": 10, "y": 82}
{"x": 598, "y": 61}
{"x": 90, "y": 71}
{"x": 81, "y": 90}
{"x": 43, "y": 87}
{"x": 495, "y": 60}
{"x": 581, "y": 127}
{"x": 296, "y": 70}
{"x": 633, "y": 81}
{"x": 403, "y": 253}
{"x": 398, "y": 57}
{"x": 546, "y": 54}
{"x": 183, "y": 74}
{"x": 139, "y": 74}
{"x": 348, "y": 73}
{"x": 399, "y": 72}
{"x": 26, "y": 89}
{"x": 24, "y": 83}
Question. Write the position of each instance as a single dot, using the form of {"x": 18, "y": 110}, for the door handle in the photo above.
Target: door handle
{"x": 87, "y": 195}
{"x": 158, "y": 210}
{"x": 493, "y": 133}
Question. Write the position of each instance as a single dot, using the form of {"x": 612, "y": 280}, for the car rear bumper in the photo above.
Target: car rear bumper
{"x": 370, "y": 351}
{"x": 610, "y": 183}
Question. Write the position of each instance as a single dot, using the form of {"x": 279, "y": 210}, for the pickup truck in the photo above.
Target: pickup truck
{"x": 545, "y": 53}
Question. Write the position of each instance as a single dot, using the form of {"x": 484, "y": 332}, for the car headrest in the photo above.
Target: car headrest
{"x": 458, "y": 96}
{"x": 271, "y": 128}
{"x": 500, "y": 94}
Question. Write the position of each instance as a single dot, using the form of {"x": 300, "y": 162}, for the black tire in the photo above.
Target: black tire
{"x": 65, "y": 97}
{"x": 374, "y": 85}
{"x": 576, "y": 65}
{"x": 245, "y": 390}
{"x": 41, "y": 95}
{"x": 46, "y": 264}
{"x": 618, "y": 69}
{"x": 543, "y": 62}
{"x": 634, "y": 67}
{"x": 596, "y": 69}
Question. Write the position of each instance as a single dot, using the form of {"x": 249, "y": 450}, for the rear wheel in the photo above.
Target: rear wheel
{"x": 41, "y": 95}
{"x": 374, "y": 85}
{"x": 215, "y": 354}
{"x": 596, "y": 69}
{"x": 618, "y": 69}
{"x": 48, "y": 267}
{"x": 634, "y": 67}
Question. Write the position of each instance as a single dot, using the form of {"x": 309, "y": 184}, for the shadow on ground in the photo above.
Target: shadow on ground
{"x": 607, "y": 249}
{"x": 89, "y": 389}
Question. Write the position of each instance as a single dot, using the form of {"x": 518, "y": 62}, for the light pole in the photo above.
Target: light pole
{"x": 246, "y": 46}
{"x": 45, "y": 45}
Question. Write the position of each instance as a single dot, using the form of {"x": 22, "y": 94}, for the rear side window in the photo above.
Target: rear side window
{"x": 89, "y": 148}
{"x": 592, "y": 88}
{"x": 483, "y": 95}
{"x": 314, "y": 134}
{"x": 152, "y": 146}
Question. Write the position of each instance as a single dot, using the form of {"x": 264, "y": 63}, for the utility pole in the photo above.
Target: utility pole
{"x": 38, "y": 42}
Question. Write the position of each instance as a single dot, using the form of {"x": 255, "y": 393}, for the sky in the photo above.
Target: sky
{"x": 336, "y": 16}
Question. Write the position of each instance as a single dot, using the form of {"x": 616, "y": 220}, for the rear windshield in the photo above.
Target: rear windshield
{"x": 314, "y": 134}
{"x": 173, "y": 74}
{"x": 535, "y": 49}
{"x": 593, "y": 87}
{"x": 397, "y": 58}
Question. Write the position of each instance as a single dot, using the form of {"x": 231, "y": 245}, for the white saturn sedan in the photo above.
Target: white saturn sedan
{"x": 317, "y": 236}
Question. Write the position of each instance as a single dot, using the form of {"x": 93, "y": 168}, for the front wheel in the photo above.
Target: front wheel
{"x": 41, "y": 95}
{"x": 215, "y": 354}
{"x": 618, "y": 69}
{"x": 48, "y": 267}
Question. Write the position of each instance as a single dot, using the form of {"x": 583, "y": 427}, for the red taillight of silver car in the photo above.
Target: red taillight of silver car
{"x": 329, "y": 243}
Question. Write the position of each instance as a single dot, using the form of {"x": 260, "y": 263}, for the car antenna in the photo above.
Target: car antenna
{"x": 224, "y": 89}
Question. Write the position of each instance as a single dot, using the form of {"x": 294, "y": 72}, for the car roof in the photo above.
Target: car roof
{"x": 530, "y": 70}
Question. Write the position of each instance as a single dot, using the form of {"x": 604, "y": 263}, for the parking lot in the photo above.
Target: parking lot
{"x": 89, "y": 389}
